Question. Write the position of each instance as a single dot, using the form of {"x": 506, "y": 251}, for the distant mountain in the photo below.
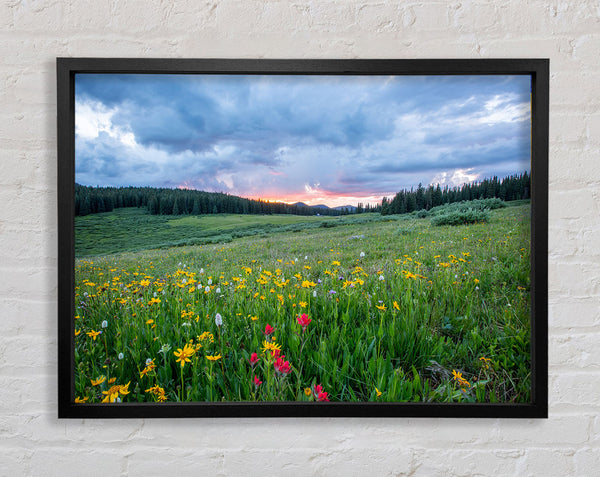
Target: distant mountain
{"x": 351, "y": 208}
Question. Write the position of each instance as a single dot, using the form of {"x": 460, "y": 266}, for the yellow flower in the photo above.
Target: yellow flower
{"x": 307, "y": 391}
{"x": 268, "y": 346}
{"x": 396, "y": 306}
{"x": 184, "y": 355}
{"x": 145, "y": 283}
{"x": 303, "y": 304}
{"x": 381, "y": 307}
{"x": 462, "y": 382}
{"x": 335, "y": 263}
{"x": 80, "y": 400}
{"x": 98, "y": 381}
{"x": 113, "y": 393}
{"x": 77, "y": 332}
{"x": 112, "y": 380}
{"x": 93, "y": 334}
{"x": 214, "y": 358}
{"x": 150, "y": 321}
{"x": 379, "y": 393}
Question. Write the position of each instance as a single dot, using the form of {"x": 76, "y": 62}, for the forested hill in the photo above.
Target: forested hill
{"x": 515, "y": 187}
{"x": 162, "y": 201}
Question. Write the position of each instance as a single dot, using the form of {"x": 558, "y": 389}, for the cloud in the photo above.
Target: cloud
{"x": 292, "y": 136}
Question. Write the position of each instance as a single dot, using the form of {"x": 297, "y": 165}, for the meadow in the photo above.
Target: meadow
{"x": 287, "y": 308}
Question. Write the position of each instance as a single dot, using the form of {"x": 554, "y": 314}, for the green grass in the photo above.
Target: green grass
{"x": 131, "y": 229}
{"x": 453, "y": 299}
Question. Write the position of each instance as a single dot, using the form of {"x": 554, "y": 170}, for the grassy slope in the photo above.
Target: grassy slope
{"x": 477, "y": 307}
{"x": 135, "y": 229}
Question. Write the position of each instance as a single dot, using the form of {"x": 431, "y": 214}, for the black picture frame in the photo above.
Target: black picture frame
{"x": 538, "y": 69}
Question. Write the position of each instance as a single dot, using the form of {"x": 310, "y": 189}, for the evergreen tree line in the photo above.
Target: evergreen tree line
{"x": 160, "y": 201}
{"x": 513, "y": 187}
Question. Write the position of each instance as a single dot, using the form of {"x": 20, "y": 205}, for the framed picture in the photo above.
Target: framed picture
{"x": 324, "y": 238}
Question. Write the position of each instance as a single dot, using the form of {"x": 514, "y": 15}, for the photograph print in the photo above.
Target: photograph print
{"x": 302, "y": 238}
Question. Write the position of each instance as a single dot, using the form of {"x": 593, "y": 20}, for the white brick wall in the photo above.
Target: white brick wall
{"x": 33, "y": 33}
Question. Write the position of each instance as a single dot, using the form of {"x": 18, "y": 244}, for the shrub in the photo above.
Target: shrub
{"x": 460, "y": 217}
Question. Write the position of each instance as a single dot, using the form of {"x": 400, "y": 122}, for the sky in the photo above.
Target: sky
{"x": 333, "y": 140}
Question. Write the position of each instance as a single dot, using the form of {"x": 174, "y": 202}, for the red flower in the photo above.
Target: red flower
{"x": 253, "y": 359}
{"x": 282, "y": 366}
{"x": 303, "y": 320}
{"x": 318, "y": 391}
{"x": 257, "y": 382}
{"x": 275, "y": 353}
{"x": 268, "y": 330}
{"x": 322, "y": 397}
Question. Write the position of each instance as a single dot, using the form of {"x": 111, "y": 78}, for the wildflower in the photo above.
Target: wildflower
{"x": 321, "y": 395}
{"x": 281, "y": 366}
{"x": 218, "y": 290}
{"x": 381, "y": 307}
{"x": 214, "y": 358}
{"x": 121, "y": 356}
{"x": 335, "y": 263}
{"x": 105, "y": 324}
{"x": 218, "y": 319}
{"x": 378, "y": 392}
{"x": 77, "y": 332}
{"x": 268, "y": 346}
{"x": 303, "y": 304}
{"x": 257, "y": 382}
{"x": 149, "y": 367}
{"x": 268, "y": 330}
{"x": 164, "y": 348}
{"x": 184, "y": 355}
{"x": 315, "y": 294}
{"x": 396, "y": 306}
{"x": 332, "y": 292}
{"x": 207, "y": 289}
{"x": 100, "y": 380}
{"x": 362, "y": 254}
{"x": 307, "y": 391}
{"x": 462, "y": 382}
{"x": 112, "y": 394}
{"x": 79, "y": 400}
{"x": 149, "y": 321}
{"x": 303, "y": 321}
{"x": 381, "y": 278}
{"x": 253, "y": 359}
{"x": 93, "y": 334}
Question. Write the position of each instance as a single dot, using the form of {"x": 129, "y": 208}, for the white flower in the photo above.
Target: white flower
{"x": 105, "y": 324}
{"x": 202, "y": 271}
{"x": 118, "y": 399}
{"x": 218, "y": 290}
{"x": 179, "y": 264}
{"x": 165, "y": 348}
{"x": 315, "y": 293}
{"x": 381, "y": 278}
{"x": 85, "y": 294}
{"x": 184, "y": 281}
{"x": 186, "y": 324}
{"x": 362, "y": 254}
{"x": 476, "y": 288}
{"x": 121, "y": 356}
{"x": 207, "y": 290}
{"x": 154, "y": 294}
{"x": 305, "y": 257}
{"x": 148, "y": 361}
{"x": 199, "y": 286}
{"x": 218, "y": 319}
{"x": 210, "y": 281}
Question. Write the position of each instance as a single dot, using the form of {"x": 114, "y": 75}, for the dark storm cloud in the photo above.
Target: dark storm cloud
{"x": 289, "y": 135}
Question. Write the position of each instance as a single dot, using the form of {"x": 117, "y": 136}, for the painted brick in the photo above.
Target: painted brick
{"x": 33, "y": 34}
